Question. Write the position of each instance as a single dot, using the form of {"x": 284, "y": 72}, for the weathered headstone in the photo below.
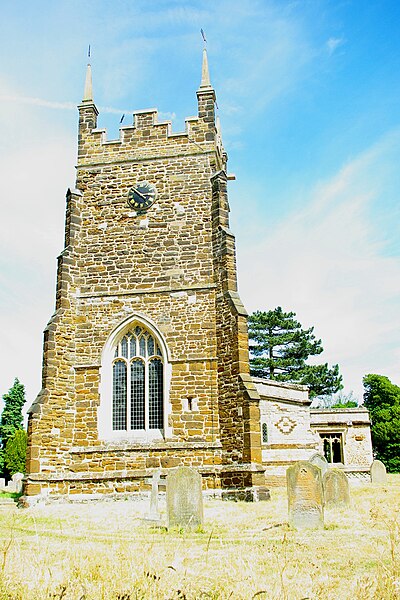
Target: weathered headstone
{"x": 378, "y": 473}
{"x": 17, "y": 480}
{"x": 2, "y": 484}
{"x": 319, "y": 461}
{"x": 305, "y": 496}
{"x": 11, "y": 487}
{"x": 154, "y": 514}
{"x": 184, "y": 499}
{"x": 336, "y": 488}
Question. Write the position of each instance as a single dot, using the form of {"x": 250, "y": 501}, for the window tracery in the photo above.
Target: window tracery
{"x": 137, "y": 382}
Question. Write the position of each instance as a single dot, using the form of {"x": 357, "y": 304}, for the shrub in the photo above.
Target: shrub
{"x": 15, "y": 452}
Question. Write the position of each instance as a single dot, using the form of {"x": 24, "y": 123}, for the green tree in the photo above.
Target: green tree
{"x": 15, "y": 452}
{"x": 279, "y": 349}
{"x": 11, "y": 417}
{"x": 382, "y": 398}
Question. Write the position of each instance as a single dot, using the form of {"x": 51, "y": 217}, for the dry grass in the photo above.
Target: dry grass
{"x": 105, "y": 551}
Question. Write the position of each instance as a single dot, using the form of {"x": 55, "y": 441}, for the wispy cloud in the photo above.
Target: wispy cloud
{"x": 38, "y": 102}
{"x": 72, "y": 106}
{"x": 326, "y": 262}
{"x": 333, "y": 43}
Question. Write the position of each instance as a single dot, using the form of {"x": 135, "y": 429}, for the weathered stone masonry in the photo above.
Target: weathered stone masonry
{"x": 170, "y": 269}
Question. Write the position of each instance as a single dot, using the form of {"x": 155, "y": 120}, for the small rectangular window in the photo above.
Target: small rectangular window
{"x": 333, "y": 447}
{"x": 264, "y": 433}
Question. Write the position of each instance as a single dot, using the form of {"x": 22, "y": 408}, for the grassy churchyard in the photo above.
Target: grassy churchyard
{"x": 106, "y": 551}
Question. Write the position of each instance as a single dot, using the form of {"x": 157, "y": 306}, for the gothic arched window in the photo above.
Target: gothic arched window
{"x": 137, "y": 382}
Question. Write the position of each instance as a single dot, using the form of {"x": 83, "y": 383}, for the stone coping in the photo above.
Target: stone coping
{"x": 335, "y": 416}
{"x": 282, "y": 391}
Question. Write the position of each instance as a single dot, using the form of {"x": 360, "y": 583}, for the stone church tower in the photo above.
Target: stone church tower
{"x": 145, "y": 361}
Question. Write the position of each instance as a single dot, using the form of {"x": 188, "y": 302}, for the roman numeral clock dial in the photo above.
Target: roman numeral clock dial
{"x": 142, "y": 196}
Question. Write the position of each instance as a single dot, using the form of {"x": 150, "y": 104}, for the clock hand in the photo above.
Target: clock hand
{"x": 139, "y": 194}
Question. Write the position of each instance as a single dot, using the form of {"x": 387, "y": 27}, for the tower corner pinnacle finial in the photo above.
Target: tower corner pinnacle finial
{"x": 88, "y": 92}
{"x": 205, "y": 75}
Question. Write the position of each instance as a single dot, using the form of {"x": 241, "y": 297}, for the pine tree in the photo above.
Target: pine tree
{"x": 11, "y": 417}
{"x": 279, "y": 349}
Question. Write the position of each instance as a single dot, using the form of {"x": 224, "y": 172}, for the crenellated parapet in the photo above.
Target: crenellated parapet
{"x": 147, "y": 137}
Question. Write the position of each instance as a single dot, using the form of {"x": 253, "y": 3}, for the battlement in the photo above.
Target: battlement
{"x": 146, "y": 136}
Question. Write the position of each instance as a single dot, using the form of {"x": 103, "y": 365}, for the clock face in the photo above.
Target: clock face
{"x": 142, "y": 196}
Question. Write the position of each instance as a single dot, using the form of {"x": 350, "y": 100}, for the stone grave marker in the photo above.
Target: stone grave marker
{"x": 319, "y": 461}
{"x": 154, "y": 514}
{"x": 2, "y": 484}
{"x": 336, "y": 488}
{"x": 184, "y": 499}
{"x": 305, "y": 496}
{"x": 17, "y": 481}
{"x": 378, "y": 473}
{"x": 11, "y": 487}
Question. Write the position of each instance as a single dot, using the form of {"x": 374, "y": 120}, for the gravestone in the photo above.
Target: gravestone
{"x": 378, "y": 473}
{"x": 154, "y": 514}
{"x": 305, "y": 496}
{"x": 2, "y": 484}
{"x": 336, "y": 488}
{"x": 319, "y": 461}
{"x": 17, "y": 481}
{"x": 184, "y": 499}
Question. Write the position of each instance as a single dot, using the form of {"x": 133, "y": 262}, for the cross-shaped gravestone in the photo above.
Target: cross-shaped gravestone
{"x": 154, "y": 514}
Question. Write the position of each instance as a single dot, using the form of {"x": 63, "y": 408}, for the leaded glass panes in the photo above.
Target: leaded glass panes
{"x": 138, "y": 383}
{"x": 119, "y": 395}
{"x": 132, "y": 348}
{"x": 124, "y": 347}
{"x": 155, "y": 394}
{"x": 265, "y": 433}
{"x": 150, "y": 346}
{"x": 137, "y": 394}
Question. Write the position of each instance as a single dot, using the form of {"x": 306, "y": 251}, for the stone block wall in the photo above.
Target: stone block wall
{"x": 354, "y": 427}
{"x": 285, "y": 424}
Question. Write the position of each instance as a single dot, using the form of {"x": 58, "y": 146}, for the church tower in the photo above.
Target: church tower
{"x": 145, "y": 360}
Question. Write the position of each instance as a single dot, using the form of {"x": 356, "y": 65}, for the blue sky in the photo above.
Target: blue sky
{"x": 308, "y": 95}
